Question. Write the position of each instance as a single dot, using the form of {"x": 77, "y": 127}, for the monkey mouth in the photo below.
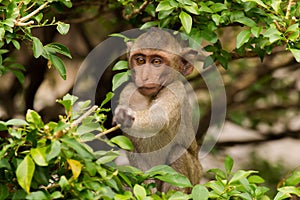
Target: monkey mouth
{"x": 150, "y": 90}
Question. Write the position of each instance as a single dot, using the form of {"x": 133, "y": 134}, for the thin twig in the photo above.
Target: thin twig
{"x": 108, "y": 131}
{"x": 136, "y": 11}
{"x": 288, "y": 9}
{"x": 21, "y": 21}
{"x": 82, "y": 117}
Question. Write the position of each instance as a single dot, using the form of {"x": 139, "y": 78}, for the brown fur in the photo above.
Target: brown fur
{"x": 154, "y": 109}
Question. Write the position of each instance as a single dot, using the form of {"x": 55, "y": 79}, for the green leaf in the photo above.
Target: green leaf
{"x": 242, "y": 38}
{"x": 119, "y": 79}
{"x": 63, "y": 182}
{"x": 217, "y": 7}
{"x": 20, "y": 76}
{"x": 218, "y": 173}
{"x": 209, "y": 36}
{"x": 19, "y": 194}
{"x": 39, "y": 156}
{"x": 37, "y": 47}
{"x": 37, "y": 195}
{"x": 120, "y": 65}
{"x": 294, "y": 179}
{"x": 273, "y": 34}
{"x": 200, "y": 192}
{"x": 24, "y": 173}
{"x": 34, "y": 118}
{"x": 228, "y": 164}
{"x": 259, "y": 2}
{"x": 16, "y": 44}
{"x": 41, "y": 175}
{"x": 108, "y": 97}
{"x": 246, "y": 21}
{"x": 59, "y": 65}
{"x": 192, "y": 9}
{"x": 4, "y": 163}
{"x": 78, "y": 147}
{"x": 58, "y": 48}
{"x": 178, "y": 180}
{"x": 68, "y": 101}
{"x": 107, "y": 156}
{"x": 256, "y": 179}
{"x": 139, "y": 192}
{"x": 216, "y": 186}
{"x": 16, "y": 122}
{"x": 3, "y": 192}
{"x": 163, "y": 5}
{"x": 256, "y": 30}
{"x": 123, "y": 142}
{"x": 53, "y": 150}
{"x": 57, "y": 195}
{"x": 296, "y": 53}
{"x": 63, "y": 28}
{"x": 290, "y": 190}
{"x": 2, "y": 33}
{"x": 186, "y": 21}
{"x": 237, "y": 176}
{"x": 282, "y": 195}
{"x": 149, "y": 25}
{"x": 276, "y": 5}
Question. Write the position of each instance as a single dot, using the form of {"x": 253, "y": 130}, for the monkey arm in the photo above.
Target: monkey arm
{"x": 163, "y": 111}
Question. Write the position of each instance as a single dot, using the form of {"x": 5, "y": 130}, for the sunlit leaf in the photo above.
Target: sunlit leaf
{"x": 24, "y": 173}
{"x": 200, "y": 192}
{"x": 53, "y": 150}
{"x": 16, "y": 122}
{"x": 75, "y": 166}
{"x": 34, "y": 118}
{"x": 39, "y": 156}
{"x": 296, "y": 53}
{"x": 63, "y": 28}
{"x": 139, "y": 192}
{"x": 120, "y": 65}
{"x": 186, "y": 21}
{"x": 242, "y": 38}
{"x": 123, "y": 142}
{"x": 119, "y": 79}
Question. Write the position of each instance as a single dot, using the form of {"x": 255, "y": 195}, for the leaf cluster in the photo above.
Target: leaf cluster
{"x": 52, "y": 161}
{"x": 18, "y": 19}
{"x": 261, "y": 25}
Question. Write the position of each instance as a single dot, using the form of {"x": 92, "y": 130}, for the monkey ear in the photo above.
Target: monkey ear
{"x": 188, "y": 56}
{"x": 129, "y": 45}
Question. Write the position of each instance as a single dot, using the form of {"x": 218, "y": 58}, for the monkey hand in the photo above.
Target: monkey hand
{"x": 124, "y": 116}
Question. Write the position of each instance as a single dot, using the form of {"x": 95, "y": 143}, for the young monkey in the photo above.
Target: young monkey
{"x": 154, "y": 110}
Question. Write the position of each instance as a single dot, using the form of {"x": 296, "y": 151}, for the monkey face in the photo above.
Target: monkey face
{"x": 150, "y": 70}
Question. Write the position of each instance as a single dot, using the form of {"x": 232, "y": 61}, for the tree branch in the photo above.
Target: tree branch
{"x": 136, "y": 11}
{"x": 22, "y": 21}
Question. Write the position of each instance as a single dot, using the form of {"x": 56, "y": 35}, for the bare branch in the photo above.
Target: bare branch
{"x": 22, "y": 21}
{"x": 136, "y": 11}
{"x": 79, "y": 120}
{"x": 108, "y": 131}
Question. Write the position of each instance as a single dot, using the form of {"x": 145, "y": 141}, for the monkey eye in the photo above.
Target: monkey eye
{"x": 140, "y": 60}
{"x": 156, "y": 61}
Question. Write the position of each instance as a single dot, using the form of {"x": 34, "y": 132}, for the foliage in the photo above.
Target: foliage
{"x": 18, "y": 20}
{"x": 263, "y": 24}
{"x": 51, "y": 161}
